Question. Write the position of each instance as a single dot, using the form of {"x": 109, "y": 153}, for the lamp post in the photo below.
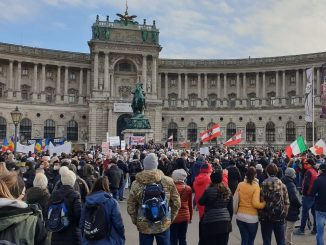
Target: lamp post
{"x": 16, "y": 117}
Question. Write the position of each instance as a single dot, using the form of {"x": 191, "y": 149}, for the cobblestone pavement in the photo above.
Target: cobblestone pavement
{"x": 192, "y": 234}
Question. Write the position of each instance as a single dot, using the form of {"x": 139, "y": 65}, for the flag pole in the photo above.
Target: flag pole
{"x": 313, "y": 107}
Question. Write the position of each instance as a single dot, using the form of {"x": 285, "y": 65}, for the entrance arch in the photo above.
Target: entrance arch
{"x": 122, "y": 124}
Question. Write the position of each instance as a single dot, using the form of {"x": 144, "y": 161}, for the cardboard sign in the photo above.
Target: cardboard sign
{"x": 114, "y": 141}
{"x": 136, "y": 140}
{"x": 123, "y": 145}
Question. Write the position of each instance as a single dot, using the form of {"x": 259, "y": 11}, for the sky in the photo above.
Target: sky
{"x": 189, "y": 29}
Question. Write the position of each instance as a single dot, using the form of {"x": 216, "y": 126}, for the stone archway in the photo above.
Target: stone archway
{"x": 122, "y": 124}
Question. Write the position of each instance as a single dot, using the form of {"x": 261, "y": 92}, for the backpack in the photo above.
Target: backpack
{"x": 57, "y": 216}
{"x": 154, "y": 203}
{"x": 95, "y": 224}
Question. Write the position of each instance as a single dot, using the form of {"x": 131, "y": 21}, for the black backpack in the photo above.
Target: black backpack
{"x": 96, "y": 223}
{"x": 57, "y": 216}
{"x": 154, "y": 203}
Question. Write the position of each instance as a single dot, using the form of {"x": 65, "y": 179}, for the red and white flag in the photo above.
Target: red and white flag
{"x": 234, "y": 140}
{"x": 170, "y": 142}
{"x": 319, "y": 148}
{"x": 211, "y": 133}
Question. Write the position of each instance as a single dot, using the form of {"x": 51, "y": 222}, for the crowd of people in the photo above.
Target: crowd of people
{"x": 74, "y": 198}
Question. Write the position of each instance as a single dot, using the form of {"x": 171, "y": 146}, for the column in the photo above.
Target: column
{"x": 88, "y": 82}
{"x": 225, "y": 95}
{"x": 95, "y": 71}
{"x": 34, "y": 95}
{"x": 106, "y": 72}
{"x": 257, "y": 89}
{"x": 277, "y": 85}
{"x": 297, "y": 83}
{"x": 154, "y": 75}
{"x": 185, "y": 102}
{"x": 80, "y": 90}
{"x": 205, "y": 90}
{"x": 283, "y": 88}
{"x": 159, "y": 86}
{"x": 11, "y": 78}
{"x": 144, "y": 71}
{"x": 264, "y": 85}
{"x": 166, "y": 85}
{"x": 65, "y": 91}
{"x": 219, "y": 94}
{"x": 112, "y": 84}
{"x": 43, "y": 78}
{"x": 19, "y": 81}
{"x": 179, "y": 89}
{"x": 304, "y": 76}
{"x": 58, "y": 92}
{"x": 199, "y": 90}
{"x": 238, "y": 86}
{"x": 244, "y": 90}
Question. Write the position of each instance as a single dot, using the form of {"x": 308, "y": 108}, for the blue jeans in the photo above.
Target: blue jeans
{"x": 121, "y": 189}
{"x": 161, "y": 238}
{"x": 248, "y": 232}
{"x": 178, "y": 233}
{"x": 307, "y": 204}
{"x": 321, "y": 221}
{"x": 115, "y": 193}
{"x": 279, "y": 232}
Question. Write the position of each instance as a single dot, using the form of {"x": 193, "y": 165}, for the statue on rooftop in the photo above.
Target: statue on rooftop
{"x": 126, "y": 18}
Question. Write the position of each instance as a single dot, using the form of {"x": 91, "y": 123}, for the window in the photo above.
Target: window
{"x": 25, "y": 129}
{"x": 212, "y": 98}
{"x": 272, "y": 81}
{"x": 3, "y": 128}
{"x": 213, "y": 83}
{"x": 1, "y": 69}
{"x": 309, "y": 131}
{"x": 2, "y": 88}
{"x": 125, "y": 67}
{"x": 49, "y": 95}
{"x": 49, "y": 74}
{"x": 172, "y": 83}
{"x": 192, "y": 132}
{"x": 173, "y": 100}
{"x": 72, "y": 96}
{"x": 49, "y": 129}
{"x": 292, "y": 100}
{"x": 290, "y": 131}
{"x": 173, "y": 130}
{"x": 72, "y": 76}
{"x": 72, "y": 131}
{"x": 25, "y": 92}
{"x": 232, "y": 83}
{"x": 292, "y": 79}
{"x": 272, "y": 100}
{"x": 271, "y": 97}
{"x": 270, "y": 132}
{"x": 25, "y": 71}
{"x": 193, "y": 100}
{"x": 232, "y": 98}
{"x": 230, "y": 130}
{"x": 250, "y": 132}
{"x": 252, "y": 99}
{"x": 252, "y": 82}
{"x": 193, "y": 83}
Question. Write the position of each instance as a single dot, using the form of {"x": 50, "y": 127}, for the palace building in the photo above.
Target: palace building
{"x": 81, "y": 96}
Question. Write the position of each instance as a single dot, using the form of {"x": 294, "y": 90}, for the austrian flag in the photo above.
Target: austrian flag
{"x": 236, "y": 139}
{"x": 211, "y": 133}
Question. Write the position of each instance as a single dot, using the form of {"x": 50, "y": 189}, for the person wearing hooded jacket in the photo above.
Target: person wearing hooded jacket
{"x": 148, "y": 230}
{"x": 100, "y": 195}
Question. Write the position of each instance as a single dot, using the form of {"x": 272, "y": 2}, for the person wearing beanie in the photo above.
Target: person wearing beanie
{"x": 39, "y": 194}
{"x": 196, "y": 167}
{"x": 179, "y": 227}
{"x": 215, "y": 224}
{"x": 115, "y": 176}
{"x": 147, "y": 229}
{"x": 234, "y": 176}
{"x": 260, "y": 173}
{"x": 308, "y": 199}
{"x": 295, "y": 204}
{"x": 71, "y": 198}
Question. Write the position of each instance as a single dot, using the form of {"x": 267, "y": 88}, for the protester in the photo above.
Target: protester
{"x": 124, "y": 167}
{"x": 115, "y": 176}
{"x": 319, "y": 192}
{"x": 179, "y": 226}
{"x": 134, "y": 167}
{"x": 215, "y": 225}
{"x": 107, "y": 226}
{"x": 248, "y": 193}
{"x": 152, "y": 180}
{"x": 234, "y": 176}
{"x": 3, "y": 168}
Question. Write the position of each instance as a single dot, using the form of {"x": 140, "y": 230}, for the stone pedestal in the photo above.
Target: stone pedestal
{"x": 148, "y": 133}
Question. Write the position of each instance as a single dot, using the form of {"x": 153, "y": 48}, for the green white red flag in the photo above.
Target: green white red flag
{"x": 296, "y": 147}
{"x": 319, "y": 148}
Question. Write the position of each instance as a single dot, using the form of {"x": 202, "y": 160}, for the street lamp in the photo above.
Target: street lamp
{"x": 16, "y": 116}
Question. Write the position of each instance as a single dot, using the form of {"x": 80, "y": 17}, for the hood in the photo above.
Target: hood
{"x": 287, "y": 179}
{"x": 273, "y": 183}
{"x": 149, "y": 176}
{"x": 202, "y": 178}
{"x": 6, "y": 202}
{"x": 97, "y": 197}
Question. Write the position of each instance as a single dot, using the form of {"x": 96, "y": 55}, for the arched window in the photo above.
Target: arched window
{"x": 49, "y": 129}
{"x": 212, "y": 98}
{"x": 173, "y": 130}
{"x": 290, "y": 131}
{"x": 210, "y": 125}
{"x": 25, "y": 129}
{"x": 72, "y": 130}
{"x": 3, "y": 128}
{"x": 250, "y": 132}
{"x": 192, "y": 132}
{"x": 231, "y": 129}
{"x": 309, "y": 131}
{"x": 270, "y": 132}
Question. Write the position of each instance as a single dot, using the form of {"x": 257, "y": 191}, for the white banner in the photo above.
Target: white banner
{"x": 114, "y": 141}
{"x": 65, "y": 148}
{"x": 122, "y": 107}
{"x": 123, "y": 145}
{"x": 308, "y": 95}
{"x": 25, "y": 148}
{"x": 204, "y": 151}
{"x": 136, "y": 140}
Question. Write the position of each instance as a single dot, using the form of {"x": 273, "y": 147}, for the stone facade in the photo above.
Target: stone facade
{"x": 72, "y": 95}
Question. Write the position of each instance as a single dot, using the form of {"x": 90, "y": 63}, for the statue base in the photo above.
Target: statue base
{"x": 148, "y": 133}
{"x": 138, "y": 122}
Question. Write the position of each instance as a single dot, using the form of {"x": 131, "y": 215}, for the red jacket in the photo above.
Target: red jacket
{"x": 185, "y": 211}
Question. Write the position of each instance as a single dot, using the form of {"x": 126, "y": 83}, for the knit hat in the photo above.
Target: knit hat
{"x": 40, "y": 181}
{"x": 259, "y": 167}
{"x": 290, "y": 172}
{"x": 179, "y": 175}
{"x": 322, "y": 167}
{"x": 68, "y": 177}
{"x": 150, "y": 162}
{"x": 217, "y": 176}
{"x": 200, "y": 158}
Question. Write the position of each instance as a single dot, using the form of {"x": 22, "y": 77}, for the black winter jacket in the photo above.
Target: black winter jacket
{"x": 115, "y": 176}
{"x": 234, "y": 177}
{"x": 319, "y": 191}
{"x": 71, "y": 235}
{"x": 295, "y": 203}
{"x": 36, "y": 195}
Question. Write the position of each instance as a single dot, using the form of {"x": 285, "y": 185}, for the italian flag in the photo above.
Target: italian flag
{"x": 296, "y": 147}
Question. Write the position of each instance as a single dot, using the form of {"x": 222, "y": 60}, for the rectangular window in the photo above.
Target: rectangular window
{"x": 213, "y": 83}
{"x": 25, "y": 71}
{"x": 24, "y": 95}
{"x": 273, "y": 100}
{"x": 72, "y": 76}
{"x": 72, "y": 98}
{"x": 252, "y": 101}
{"x": 292, "y": 100}
{"x": 232, "y": 83}
{"x": 49, "y": 75}
{"x": 252, "y": 82}
{"x": 173, "y": 102}
{"x": 1, "y": 69}
{"x": 193, "y": 83}
{"x": 172, "y": 83}
{"x": 272, "y": 81}
{"x": 292, "y": 79}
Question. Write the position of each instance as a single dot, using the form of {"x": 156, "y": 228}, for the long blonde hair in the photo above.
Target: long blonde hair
{"x": 4, "y": 190}
{"x": 3, "y": 168}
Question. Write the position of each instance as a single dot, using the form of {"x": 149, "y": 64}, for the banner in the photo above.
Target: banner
{"x": 105, "y": 148}
{"x": 114, "y": 141}
{"x": 65, "y": 148}
{"x": 204, "y": 151}
{"x": 123, "y": 145}
{"x": 136, "y": 140}
{"x": 323, "y": 92}
{"x": 308, "y": 98}
{"x": 25, "y": 148}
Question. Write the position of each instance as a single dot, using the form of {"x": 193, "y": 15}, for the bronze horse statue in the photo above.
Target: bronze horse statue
{"x": 138, "y": 101}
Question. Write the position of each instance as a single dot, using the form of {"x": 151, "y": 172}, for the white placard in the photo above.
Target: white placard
{"x": 122, "y": 107}
{"x": 25, "y": 148}
{"x": 123, "y": 145}
{"x": 204, "y": 151}
{"x": 107, "y": 136}
{"x": 65, "y": 148}
{"x": 114, "y": 141}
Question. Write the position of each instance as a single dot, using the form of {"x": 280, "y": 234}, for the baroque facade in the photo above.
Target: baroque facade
{"x": 82, "y": 96}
